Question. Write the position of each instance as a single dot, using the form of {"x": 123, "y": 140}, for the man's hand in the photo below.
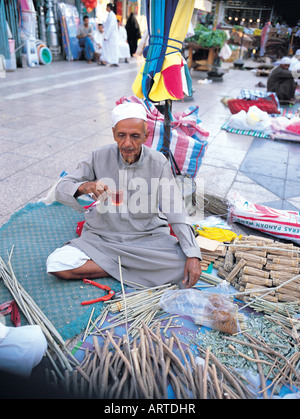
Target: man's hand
{"x": 96, "y": 190}
{"x": 192, "y": 271}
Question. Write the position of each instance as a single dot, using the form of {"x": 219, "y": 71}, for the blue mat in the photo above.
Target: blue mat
{"x": 34, "y": 232}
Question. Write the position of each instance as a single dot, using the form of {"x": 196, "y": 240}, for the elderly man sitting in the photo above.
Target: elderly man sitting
{"x": 281, "y": 81}
{"x": 132, "y": 223}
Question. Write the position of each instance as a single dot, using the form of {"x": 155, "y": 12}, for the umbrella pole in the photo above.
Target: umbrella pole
{"x": 167, "y": 127}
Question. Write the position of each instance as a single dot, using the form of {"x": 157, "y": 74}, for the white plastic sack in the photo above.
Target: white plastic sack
{"x": 254, "y": 119}
{"x": 225, "y": 52}
{"x": 282, "y": 224}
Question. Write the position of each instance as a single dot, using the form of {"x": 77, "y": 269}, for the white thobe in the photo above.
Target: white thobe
{"x": 21, "y": 349}
{"x": 98, "y": 40}
{"x": 110, "y": 47}
{"x": 138, "y": 230}
{"x": 124, "y": 51}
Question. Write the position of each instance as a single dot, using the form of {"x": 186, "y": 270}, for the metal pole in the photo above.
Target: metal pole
{"x": 167, "y": 127}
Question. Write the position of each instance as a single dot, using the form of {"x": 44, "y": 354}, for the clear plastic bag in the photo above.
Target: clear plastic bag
{"x": 211, "y": 309}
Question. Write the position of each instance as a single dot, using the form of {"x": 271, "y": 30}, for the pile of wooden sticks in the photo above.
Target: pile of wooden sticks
{"x": 149, "y": 368}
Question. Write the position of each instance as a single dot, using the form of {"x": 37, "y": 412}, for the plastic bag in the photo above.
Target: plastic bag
{"x": 225, "y": 52}
{"x": 254, "y": 119}
{"x": 216, "y": 233}
{"x": 282, "y": 224}
{"x": 211, "y": 309}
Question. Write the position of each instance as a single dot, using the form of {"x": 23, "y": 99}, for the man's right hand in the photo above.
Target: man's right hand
{"x": 96, "y": 190}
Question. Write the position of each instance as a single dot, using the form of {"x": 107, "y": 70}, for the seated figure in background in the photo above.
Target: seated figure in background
{"x": 281, "y": 81}
{"x": 85, "y": 39}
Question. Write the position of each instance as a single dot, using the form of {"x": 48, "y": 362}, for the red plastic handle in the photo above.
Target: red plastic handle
{"x": 96, "y": 284}
{"x": 106, "y": 297}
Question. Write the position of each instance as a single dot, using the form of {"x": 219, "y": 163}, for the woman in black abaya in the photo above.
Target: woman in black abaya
{"x": 133, "y": 33}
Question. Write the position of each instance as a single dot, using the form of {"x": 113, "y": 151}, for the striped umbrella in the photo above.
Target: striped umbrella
{"x": 163, "y": 76}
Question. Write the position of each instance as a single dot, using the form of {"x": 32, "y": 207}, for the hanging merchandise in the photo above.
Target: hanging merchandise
{"x": 90, "y": 5}
{"x": 69, "y": 21}
{"x": 10, "y": 40}
{"x": 4, "y": 48}
{"x": 51, "y": 31}
{"x": 41, "y": 22}
{"x": 161, "y": 77}
{"x": 27, "y": 19}
{"x": 27, "y": 27}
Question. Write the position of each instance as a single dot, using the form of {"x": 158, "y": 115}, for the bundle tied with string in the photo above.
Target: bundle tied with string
{"x": 164, "y": 75}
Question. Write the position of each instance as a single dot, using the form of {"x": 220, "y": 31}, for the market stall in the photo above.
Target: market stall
{"x": 203, "y": 47}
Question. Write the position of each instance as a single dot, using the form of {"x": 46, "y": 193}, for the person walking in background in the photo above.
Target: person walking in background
{"x": 133, "y": 33}
{"x": 110, "y": 47}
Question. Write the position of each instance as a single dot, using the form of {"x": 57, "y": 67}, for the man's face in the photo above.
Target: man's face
{"x": 100, "y": 27}
{"x": 86, "y": 21}
{"x": 130, "y": 134}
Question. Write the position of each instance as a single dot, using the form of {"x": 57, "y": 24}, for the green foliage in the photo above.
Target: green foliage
{"x": 208, "y": 38}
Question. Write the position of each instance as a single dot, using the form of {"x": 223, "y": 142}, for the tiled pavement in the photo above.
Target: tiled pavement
{"x": 52, "y": 116}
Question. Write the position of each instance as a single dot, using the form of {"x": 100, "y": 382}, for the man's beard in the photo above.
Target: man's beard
{"x": 130, "y": 159}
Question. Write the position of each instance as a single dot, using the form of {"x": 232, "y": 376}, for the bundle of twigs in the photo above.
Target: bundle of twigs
{"x": 59, "y": 356}
{"x": 146, "y": 367}
{"x": 216, "y": 205}
{"x": 141, "y": 305}
{"x": 284, "y": 312}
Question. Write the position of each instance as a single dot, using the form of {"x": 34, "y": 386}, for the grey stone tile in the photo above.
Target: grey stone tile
{"x": 44, "y": 147}
{"x": 18, "y": 121}
{"x": 95, "y": 141}
{"x": 263, "y": 167}
{"x": 275, "y": 185}
{"x": 11, "y": 163}
{"x": 216, "y": 180}
{"x": 78, "y": 131}
{"x": 29, "y": 133}
{"x": 289, "y": 206}
{"x": 282, "y": 204}
{"x": 293, "y": 172}
{"x": 27, "y": 186}
{"x": 252, "y": 192}
{"x": 274, "y": 204}
{"x": 295, "y": 201}
{"x": 294, "y": 155}
{"x": 5, "y": 145}
{"x": 292, "y": 189}
{"x": 221, "y": 156}
{"x": 233, "y": 141}
{"x": 268, "y": 150}
{"x": 64, "y": 160}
